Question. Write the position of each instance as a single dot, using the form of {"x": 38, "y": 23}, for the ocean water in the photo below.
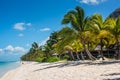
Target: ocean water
{"x": 6, "y": 66}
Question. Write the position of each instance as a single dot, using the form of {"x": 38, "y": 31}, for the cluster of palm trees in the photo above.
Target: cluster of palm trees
{"x": 34, "y": 53}
{"x": 85, "y": 33}
{"x": 82, "y": 34}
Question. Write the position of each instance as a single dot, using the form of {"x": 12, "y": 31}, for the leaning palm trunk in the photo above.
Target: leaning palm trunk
{"x": 71, "y": 53}
{"x": 88, "y": 53}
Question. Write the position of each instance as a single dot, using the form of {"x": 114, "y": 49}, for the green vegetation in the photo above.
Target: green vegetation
{"x": 66, "y": 57}
{"x": 79, "y": 40}
{"x": 39, "y": 59}
{"x": 34, "y": 53}
{"x": 53, "y": 59}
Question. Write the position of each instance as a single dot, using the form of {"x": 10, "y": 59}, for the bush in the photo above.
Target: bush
{"x": 53, "y": 59}
{"x": 44, "y": 60}
{"x": 66, "y": 57}
{"x": 39, "y": 59}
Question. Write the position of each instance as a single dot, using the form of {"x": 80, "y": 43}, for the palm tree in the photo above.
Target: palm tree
{"x": 34, "y": 53}
{"x": 115, "y": 31}
{"x": 48, "y": 47}
{"x": 76, "y": 18}
{"x": 35, "y": 45}
{"x": 52, "y": 39}
{"x": 98, "y": 26}
{"x": 77, "y": 47}
{"x": 78, "y": 22}
{"x": 70, "y": 51}
{"x": 65, "y": 37}
{"x": 48, "y": 50}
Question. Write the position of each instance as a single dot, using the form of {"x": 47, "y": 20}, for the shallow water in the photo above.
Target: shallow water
{"x": 6, "y": 66}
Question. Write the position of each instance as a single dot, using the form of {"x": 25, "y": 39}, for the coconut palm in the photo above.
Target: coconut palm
{"x": 70, "y": 51}
{"x": 52, "y": 40}
{"x": 78, "y": 22}
{"x": 48, "y": 49}
{"x": 35, "y": 46}
{"x": 76, "y": 18}
{"x": 109, "y": 25}
{"x": 115, "y": 31}
{"x": 98, "y": 26}
{"x": 65, "y": 37}
{"x": 77, "y": 47}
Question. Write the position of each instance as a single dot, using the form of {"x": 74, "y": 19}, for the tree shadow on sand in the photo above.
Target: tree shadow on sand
{"x": 104, "y": 62}
{"x": 112, "y": 74}
{"x": 76, "y": 63}
{"x": 47, "y": 64}
{"x": 58, "y": 65}
{"x": 112, "y": 79}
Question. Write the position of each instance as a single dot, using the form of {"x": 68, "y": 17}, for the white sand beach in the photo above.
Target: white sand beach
{"x": 82, "y": 70}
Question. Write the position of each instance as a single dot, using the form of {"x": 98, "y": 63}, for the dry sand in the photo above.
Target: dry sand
{"x": 82, "y": 70}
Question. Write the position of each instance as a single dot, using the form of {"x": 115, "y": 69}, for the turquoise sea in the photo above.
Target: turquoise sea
{"x": 6, "y": 66}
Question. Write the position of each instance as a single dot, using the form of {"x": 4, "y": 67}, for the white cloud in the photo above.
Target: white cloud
{"x": 9, "y": 48}
{"x": 20, "y": 35}
{"x": 19, "y": 49}
{"x": 21, "y": 26}
{"x": 44, "y": 41}
{"x": 45, "y": 29}
{"x": 93, "y": 2}
{"x": 13, "y": 50}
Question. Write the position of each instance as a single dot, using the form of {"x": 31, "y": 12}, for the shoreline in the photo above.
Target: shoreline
{"x": 8, "y": 66}
{"x": 71, "y": 70}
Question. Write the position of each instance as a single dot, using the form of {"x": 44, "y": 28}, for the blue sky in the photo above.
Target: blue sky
{"x": 24, "y": 21}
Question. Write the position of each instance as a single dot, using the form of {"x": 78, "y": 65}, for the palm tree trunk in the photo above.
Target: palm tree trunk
{"x": 82, "y": 56}
{"x": 118, "y": 51}
{"x": 88, "y": 53}
{"x": 71, "y": 53}
{"x": 77, "y": 56}
{"x": 101, "y": 52}
{"x": 108, "y": 52}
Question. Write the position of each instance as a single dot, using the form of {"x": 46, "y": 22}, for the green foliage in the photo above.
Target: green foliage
{"x": 76, "y": 18}
{"x": 66, "y": 57}
{"x": 65, "y": 37}
{"x": 39, "y": 59}
{"x": 53, "y": 59}
{"x": 44, "y": 59}
{"x": 48, "y": 47}
{"x": 34, "y": 53}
